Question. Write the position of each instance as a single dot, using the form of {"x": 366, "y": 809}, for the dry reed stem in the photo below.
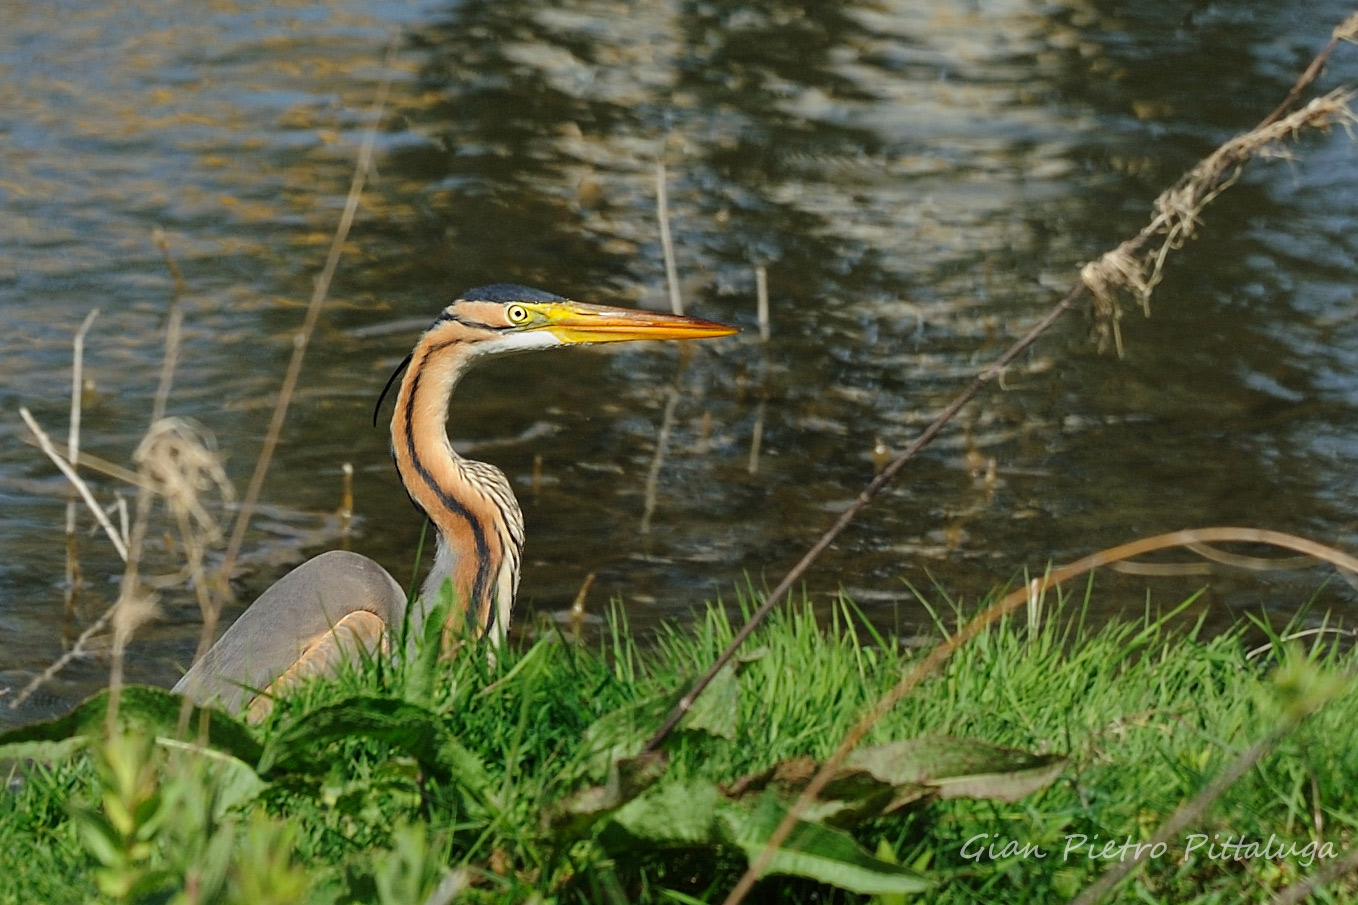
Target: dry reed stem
{"x": 1220, "y": 557}
{"x": 662, "y": 441}
{"x": 180, "y": 465}
{"x": 130, "y": 607}
{"x": 74, "y": 579}
{"x": 346, "y": 509}
{"x": 45, "y": 444}
{"x": 761, "y": 302}
{"x": 174, "y": 463}
{"x": 160, "y": 463}
{"x": 577, "y": 611}
{"x": 757, "y": 436}
{"x": 94, "y": 463}
{"x": 77, "y": 650}
{"x": 1003, "y": 607}
{"x": 1297, "y": 636}
{"x": 132, "y": 611}
{"x": 1251, "y": 563}
{"x": 77, "y": 385}
{"x": 1178, "y": 211}
{"x": 662, "y": 212}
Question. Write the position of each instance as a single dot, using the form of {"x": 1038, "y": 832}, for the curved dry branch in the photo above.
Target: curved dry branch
{"x": 998, "y": 610}
{"x": 1116, "y": 271}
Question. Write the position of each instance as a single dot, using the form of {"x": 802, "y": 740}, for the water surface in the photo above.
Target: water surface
{"x": 920, "y": 184}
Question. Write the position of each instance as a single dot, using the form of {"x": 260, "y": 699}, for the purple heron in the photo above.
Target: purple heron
{"x": 331, "y": 606}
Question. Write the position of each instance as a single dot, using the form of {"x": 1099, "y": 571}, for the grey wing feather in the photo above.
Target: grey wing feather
{"x": 275, "y": 630}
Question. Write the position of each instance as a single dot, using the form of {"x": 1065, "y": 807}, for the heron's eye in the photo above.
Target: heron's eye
{"x": 517, "y": 314}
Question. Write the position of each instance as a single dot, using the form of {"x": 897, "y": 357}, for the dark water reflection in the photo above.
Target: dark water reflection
{"x": 920, "y": 185}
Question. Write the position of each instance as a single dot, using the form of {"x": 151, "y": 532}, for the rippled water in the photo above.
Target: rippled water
{"x": 920, "y": 183}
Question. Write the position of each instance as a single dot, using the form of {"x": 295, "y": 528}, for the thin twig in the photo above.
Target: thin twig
{"x": 1345, "y": 31}
{"x": 662, "y": 205}
{"x": 881, "y": 480}
{"x": 93, "y": 463}
{"x": 77, "y": 650}
{"x": 45, "y": 444}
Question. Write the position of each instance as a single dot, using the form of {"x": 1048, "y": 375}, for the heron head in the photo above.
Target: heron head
{"x": 504, "y": 318}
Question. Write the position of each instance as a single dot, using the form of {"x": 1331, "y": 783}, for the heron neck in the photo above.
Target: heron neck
{"x": 470, "y": 503}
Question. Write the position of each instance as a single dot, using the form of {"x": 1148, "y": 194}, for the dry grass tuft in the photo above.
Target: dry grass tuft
{"x": 180, "y": 463}
{"x": 1128, "y": 270}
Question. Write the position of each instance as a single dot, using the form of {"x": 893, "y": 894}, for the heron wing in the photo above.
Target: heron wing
{"x": 288, "y": 622}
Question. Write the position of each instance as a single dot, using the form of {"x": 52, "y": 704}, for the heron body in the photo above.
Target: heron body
{"x": 339, "y": 603}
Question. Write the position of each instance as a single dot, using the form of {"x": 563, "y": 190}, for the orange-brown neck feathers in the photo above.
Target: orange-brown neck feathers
{"x": 470, "y": 503}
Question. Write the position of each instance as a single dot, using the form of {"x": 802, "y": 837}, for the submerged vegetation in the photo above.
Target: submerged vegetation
{"x": 1042, "y": 756}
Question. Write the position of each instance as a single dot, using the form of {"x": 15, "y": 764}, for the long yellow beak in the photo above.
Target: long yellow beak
{"x": 576, "y": 322}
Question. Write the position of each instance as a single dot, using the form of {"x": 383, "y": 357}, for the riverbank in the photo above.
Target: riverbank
{"x": 1045, "y": 756}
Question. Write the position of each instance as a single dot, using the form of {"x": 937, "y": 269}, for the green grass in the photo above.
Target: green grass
{"x": 385, "y": 781}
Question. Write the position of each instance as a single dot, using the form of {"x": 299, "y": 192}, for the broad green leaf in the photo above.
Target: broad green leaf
{"x": 235, "y": 782}
{"x": 45, "y": 752}
{"x": 884, "y": 778}
{"x": 679, "y": 814}
{"x": 695, "y": 814}
{"x": 573, "y": 816}
{"x": 414, "y": 729}
{"x": 154, "y": 709}
{"x": 959, "y": 768}
{"x": 717, "y": 709}
{"x": 621, "y": 733}
{"x": 816, "y": 852}
{"x": 849, "y": 798}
